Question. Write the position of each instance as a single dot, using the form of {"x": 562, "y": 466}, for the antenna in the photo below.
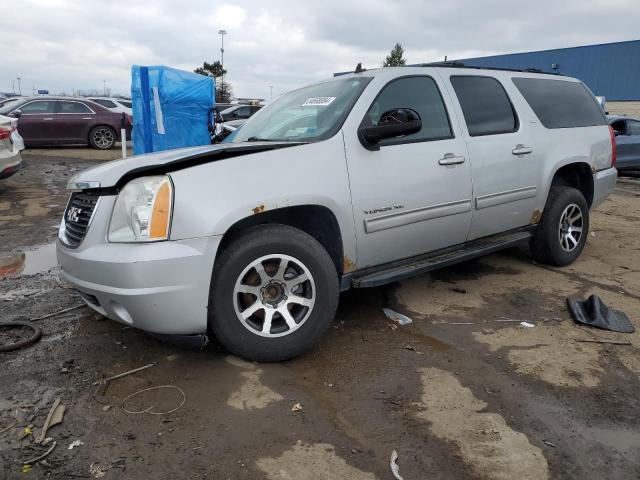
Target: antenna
{"x": 359, "y": 68}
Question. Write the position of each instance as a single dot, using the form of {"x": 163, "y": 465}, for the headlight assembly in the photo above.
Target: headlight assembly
{"x": 142, "y": 212}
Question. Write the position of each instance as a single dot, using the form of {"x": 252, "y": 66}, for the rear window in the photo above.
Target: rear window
{"x": 559, "y": 103}
{"x": 486, "y": 107}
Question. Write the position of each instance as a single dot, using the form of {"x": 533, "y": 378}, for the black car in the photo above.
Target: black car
{"x": 238, "y": 112}
{"x": 627, "y": 131}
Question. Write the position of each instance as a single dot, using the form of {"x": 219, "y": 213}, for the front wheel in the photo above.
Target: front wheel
{"x": 274, "y": 293}
{"x": 102, "y": 137}
{"x": 562, "y": 233}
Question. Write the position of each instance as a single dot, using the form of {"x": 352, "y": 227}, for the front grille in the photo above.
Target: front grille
{"x": 77, "y": 217}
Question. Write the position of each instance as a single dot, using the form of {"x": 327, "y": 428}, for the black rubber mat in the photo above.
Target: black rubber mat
{"x": 595, "y": 313}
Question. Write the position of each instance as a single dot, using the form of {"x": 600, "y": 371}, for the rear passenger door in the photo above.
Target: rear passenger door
{"x": 505, "y": 167}
{"x": 628, "y": 145}
{"x": 73, "y": 121}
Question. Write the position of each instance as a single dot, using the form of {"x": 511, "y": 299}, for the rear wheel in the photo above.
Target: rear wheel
{"x": 562, "y": 232}
{"x": 102, "y": 137}
{"x": 274, "y": 292}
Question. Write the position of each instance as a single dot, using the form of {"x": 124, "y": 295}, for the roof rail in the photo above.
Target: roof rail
{"x": 456, "y": 64}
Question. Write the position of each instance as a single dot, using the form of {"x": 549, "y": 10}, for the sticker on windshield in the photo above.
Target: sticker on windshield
{"x": 318, "y": 101}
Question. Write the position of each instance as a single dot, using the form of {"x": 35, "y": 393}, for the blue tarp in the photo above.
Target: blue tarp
{"x": 171, "y": 108}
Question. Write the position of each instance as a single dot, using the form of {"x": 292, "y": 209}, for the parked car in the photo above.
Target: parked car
{"x": 627, "y": 131}
{"x": 11, "y": 145}
{"x": 239, "y": 112}
{"x": 67, "y": 121}
{"x": 117, "y": 105}
{"x": 8, "y": 100}
{"x": 358, "y": 181}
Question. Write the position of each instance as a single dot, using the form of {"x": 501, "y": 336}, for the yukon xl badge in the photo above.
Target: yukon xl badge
{"x": 73, "y": 214}
{"x": 383, "y": 209}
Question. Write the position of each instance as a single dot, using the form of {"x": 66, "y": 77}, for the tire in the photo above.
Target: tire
{"x": 549, "y": 243}
{"x": 102, "y": 137}
{"x": 240, "y": 299}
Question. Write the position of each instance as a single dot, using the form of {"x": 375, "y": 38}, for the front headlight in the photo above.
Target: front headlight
{"x": 142, "y": 212}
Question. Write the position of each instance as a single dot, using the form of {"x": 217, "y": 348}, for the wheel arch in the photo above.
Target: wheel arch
{"x": 578, "y": 175}
{"x": 316, "y": 220}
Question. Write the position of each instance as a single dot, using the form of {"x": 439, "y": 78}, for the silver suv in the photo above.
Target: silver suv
{"x": 357, "y": 181}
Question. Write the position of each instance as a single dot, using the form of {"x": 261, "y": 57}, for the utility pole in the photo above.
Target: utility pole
{"x": 19, "y": 88}
{"x": 13, "y": 86}
{"x": 104, "y": 88}
{"x": 222, "y": 33}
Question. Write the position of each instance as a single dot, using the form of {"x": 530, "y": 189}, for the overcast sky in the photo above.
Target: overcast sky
{"x": 62, "y": 45}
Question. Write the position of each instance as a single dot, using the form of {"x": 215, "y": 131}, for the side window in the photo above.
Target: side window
{"x": 125, "y": 103}
{"x": 38, "y": 107}
{"x": 242, "y": 112}
{"x": 634, "y": 127}
{"x": 417, "y": 93}
{"x": 560, "y": 103}
{"x": 486, "y": 107}
{"x": 72, "y": 107}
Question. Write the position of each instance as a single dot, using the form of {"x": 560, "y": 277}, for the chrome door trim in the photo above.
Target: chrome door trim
{"x": 415, "y": 215}
{"x": 508, "y": 196}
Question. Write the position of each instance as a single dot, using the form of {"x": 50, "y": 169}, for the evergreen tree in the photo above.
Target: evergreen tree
{"x": 395, "y": 57}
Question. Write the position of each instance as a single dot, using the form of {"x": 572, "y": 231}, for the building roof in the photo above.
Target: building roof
{"x": 608, "y": 69}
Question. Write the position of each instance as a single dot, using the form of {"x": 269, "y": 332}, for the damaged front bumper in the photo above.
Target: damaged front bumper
{"x": 162, "y": 287}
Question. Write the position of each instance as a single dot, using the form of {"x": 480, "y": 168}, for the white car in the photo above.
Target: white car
{"x": 11, "y": 144}
{"x": 117, "y": 105}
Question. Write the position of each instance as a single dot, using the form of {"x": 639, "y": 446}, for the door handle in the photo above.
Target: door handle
{"x": 86, "y": 118}
{"x": 521, "y": 150}
{"x": 47, "y": 119}
{"x": 451, "y": 159}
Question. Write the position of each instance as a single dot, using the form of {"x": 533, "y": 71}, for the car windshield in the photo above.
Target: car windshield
{"x": 309, "y": 114}
{"x": 229, "y": 109}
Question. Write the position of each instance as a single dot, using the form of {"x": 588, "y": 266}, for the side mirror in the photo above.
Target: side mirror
{"x": 394, "y": 123}
{"x": 16, "y": 113}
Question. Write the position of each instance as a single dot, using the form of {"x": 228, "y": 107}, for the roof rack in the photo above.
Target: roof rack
{"x": 457, "y": 64}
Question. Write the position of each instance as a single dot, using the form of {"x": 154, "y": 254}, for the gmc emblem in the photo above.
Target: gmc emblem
{"x": 73, "y": 213}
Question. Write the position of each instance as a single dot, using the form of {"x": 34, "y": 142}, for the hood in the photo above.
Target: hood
{"x": 118, "y": 172}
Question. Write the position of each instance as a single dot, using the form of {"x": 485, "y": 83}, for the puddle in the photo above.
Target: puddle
{"x": 28, "y": 262}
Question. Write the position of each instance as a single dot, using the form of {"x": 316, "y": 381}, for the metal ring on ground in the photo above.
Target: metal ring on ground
{"x": 37, "y": 333}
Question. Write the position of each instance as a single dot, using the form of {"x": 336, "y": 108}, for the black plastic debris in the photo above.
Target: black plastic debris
{"x": 594, "y": 313}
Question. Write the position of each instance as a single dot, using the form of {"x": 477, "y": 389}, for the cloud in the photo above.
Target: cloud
{"x": 76, "y": 44}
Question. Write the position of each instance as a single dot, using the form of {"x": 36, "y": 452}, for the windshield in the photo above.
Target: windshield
{"x": 229, "y": 109}
{"x": 309, "y": 114}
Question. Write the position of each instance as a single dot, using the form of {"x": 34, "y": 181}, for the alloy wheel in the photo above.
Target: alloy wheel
{"x": 103, "y": 137}
{"x": 274, "y": 295}
{"x": 570, "y": 228}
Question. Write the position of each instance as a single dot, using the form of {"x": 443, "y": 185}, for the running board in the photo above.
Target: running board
{"x": 427, "y": 263}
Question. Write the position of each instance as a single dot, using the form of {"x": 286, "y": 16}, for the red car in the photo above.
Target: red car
{"x": 67, "y": 121}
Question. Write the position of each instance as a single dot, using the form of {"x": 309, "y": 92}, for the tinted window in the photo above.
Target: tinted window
{"x": 72, "y": 107}
{"x": 242, "y": 112}
{"x": 559, "y": 103}
{"x": 485, "y": 105}
{"x": 420, "y": 94}
{"x": 39, "y": 106}
{"x": 634, "y": 127}
{"x": 125, "y": 103}
{"x": 104, "y": 103}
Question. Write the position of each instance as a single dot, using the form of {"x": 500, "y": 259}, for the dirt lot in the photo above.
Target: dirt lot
{"x": 465, "y": 391}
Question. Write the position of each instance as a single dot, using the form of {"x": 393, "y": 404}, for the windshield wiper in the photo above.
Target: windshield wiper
{"x": 258, "y": 139}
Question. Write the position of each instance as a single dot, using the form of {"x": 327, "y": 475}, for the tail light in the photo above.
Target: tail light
{"x": 5, "y": 133}
{"x": 129, "y": 119}
{"x": 614, "y": 156}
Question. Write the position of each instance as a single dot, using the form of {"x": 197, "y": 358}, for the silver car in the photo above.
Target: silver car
{"x": 11, "y": 144}
{"x": 357, "y": 181}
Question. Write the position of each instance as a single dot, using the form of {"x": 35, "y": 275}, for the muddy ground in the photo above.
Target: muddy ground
{"x": 465, "y": 391}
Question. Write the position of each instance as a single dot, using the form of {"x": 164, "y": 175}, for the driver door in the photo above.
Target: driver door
{"x": 413, "y": 195}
